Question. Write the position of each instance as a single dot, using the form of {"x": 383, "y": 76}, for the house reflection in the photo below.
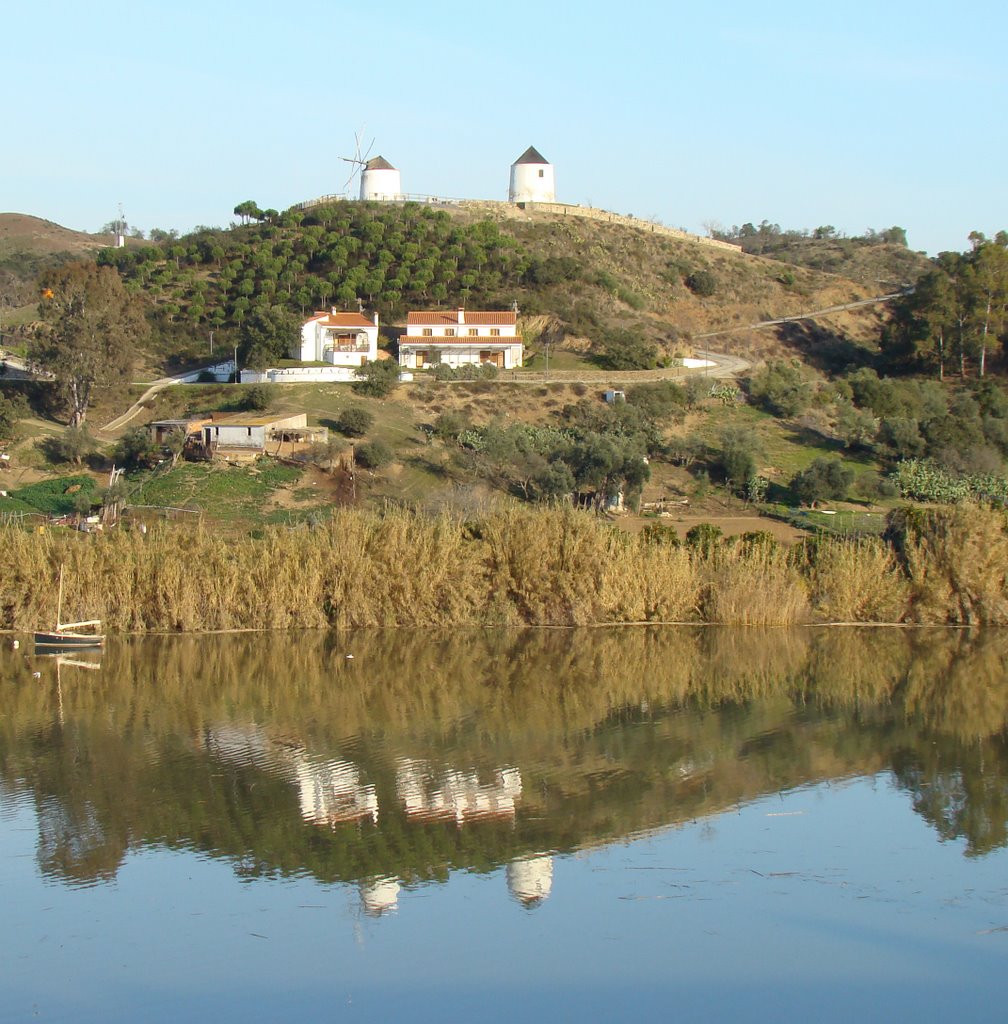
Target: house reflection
{"x": 530, "y": 879}
{"x": 329, "y": 791}
{"x": 452, "y": 795}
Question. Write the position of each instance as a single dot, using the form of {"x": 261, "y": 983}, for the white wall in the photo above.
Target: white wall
{"x": 381, "y": 184}
{"x": 458, "y": 355}
{"x": 300, "y": 375}
{"x": 528, "y": 187}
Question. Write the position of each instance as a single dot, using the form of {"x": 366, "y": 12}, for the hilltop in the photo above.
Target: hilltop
{"x": 619, "y": 293}
{"x": 28, "y": 246}
{"x": 622, "y": 296}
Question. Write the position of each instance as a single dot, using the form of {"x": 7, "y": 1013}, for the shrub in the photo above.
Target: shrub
{"x": 449, "y": 425}
{"x": 377, "y": 379}
{"x": 661, "y": 534}
{"x": 704, "y": 538}
{"x": 825, "y": 478}
{"x": 781, "y": 388}
{"x": 373, "y": 455}
{"x": 137, "y": 450}
{"x": 354, "y": 421}
{"x": 702, "y": 283}
{"x": 258, "y": 397}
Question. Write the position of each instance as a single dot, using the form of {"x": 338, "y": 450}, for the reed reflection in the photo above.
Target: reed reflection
{"x": 423, "y": 755}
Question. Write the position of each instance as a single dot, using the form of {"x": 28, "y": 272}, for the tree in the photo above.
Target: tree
{"x": 354, "y": 421}
{"x": 74, "y": 445}
{"x": 377, "y": 379}
{"x": 137, "y": 450}
{"x": 825, "y": 478}
{"x": 373, "y": 455}
{"x": 91, "y": 328}
{"x": 781, "y": 388}
{"x": 258, "y": 397}
{"x": 702, "y": 283}
{"x": 12, "y": 411}
{"x": 266, "y": 336}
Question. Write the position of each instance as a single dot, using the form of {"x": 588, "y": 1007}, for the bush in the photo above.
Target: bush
{"x": 258, "y": 397}
{"x": 781, "y": 388}
{"x": 449, "y": 425}
{"x": 377, "y": 379}
{"x": 74, "y": 445}
{"x": 354, "y": 421}
{"x": 825, "y": 478}
{"x": 373, "y": 455}
{"x": 702, "y": 283}
{"x": 137, "y": 450}
{"x": 658, "y": 401}
{"x": 704, "y": 538}
{"x": 661, "y": 534}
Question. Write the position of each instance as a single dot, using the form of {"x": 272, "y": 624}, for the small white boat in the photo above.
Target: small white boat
{"x": 69, "y": 634}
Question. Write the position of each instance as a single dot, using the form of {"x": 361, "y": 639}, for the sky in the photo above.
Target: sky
{"x": 856, "y": 115}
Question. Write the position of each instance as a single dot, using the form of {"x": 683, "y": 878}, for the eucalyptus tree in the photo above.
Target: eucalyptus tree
{"x": 91, "y": 328}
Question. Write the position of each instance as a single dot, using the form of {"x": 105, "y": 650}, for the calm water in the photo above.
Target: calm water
{"x": 549, "y": 825}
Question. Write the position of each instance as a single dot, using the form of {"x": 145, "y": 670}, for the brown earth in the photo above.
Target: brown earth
{"x": 22, "y": 233}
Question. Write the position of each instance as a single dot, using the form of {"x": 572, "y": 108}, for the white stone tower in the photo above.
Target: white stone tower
{"x": 532, "y": 179}
{"x": 530, "y": 879}
{"x": 380, "y": 180}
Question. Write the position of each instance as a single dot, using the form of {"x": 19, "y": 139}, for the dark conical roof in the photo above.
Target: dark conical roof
{"x": 531, "y": 156}
{"x": 378, "y": 163}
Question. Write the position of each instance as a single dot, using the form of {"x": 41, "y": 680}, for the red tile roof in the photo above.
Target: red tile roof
{"x": 342, "y": 320}
{"x": 471, "y": 318}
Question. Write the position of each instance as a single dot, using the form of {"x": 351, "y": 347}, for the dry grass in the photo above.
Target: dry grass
{"x": 858, "y": 581}
{"x": 496, "y": 567}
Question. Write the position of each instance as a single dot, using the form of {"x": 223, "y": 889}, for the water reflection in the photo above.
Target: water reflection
{"x": 424, "y": 755}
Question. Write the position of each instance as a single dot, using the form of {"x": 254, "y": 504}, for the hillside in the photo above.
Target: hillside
{"x": 28, "y": 246}
{"x": 620, "y": 296}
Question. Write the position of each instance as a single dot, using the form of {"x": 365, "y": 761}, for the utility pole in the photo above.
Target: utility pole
{"x": 237, "y": 378}
{"x": 211, "y": 343}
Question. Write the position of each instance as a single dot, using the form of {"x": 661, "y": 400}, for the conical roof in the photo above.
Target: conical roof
{"x": 378, "y": 163}
{"x": 531, "y": 156}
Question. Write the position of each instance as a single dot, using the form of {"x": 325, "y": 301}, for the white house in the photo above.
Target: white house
{"x": 461, "y": 337}
{"x": 340, "y": 339}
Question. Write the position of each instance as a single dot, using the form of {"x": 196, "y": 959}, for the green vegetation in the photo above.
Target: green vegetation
{"x": 49, "y": 497}
{"x": 90, "y": 332}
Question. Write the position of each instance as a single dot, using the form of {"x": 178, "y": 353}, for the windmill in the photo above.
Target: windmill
{"x": 358, "y": 161}
{"x": 120, "y": 228}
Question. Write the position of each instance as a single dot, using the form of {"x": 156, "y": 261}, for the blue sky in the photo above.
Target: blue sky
{"x": 856, "y": 115}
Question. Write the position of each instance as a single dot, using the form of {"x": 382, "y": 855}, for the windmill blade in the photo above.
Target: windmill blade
{"x": 364, "y": 159}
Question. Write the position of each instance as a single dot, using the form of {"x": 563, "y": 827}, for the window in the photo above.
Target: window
{"x": 494, "y": 332}
{"x": 540, "y": 172}
{"x": 427, "y": 332}
{"x": 449, "y": 332}
{"x": 472, "y": 332}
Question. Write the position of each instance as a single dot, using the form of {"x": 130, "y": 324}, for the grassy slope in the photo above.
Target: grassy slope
{"x": 626, "y": 276}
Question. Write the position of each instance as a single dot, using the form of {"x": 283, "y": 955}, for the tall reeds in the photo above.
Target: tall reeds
{"x": 512, "y": 566}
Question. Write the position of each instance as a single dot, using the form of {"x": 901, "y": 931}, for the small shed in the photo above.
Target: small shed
{"x": 612, "y": 396}
{"x": 191, "y": 426}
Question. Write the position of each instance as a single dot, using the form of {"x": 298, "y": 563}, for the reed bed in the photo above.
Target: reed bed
{"x": 514, "y": 566}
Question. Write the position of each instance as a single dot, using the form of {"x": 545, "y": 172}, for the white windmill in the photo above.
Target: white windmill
{"x": 120, "y": 229}
{"x": 358, "y": 161}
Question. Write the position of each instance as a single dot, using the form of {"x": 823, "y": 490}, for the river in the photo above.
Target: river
{"x": 698, "y": 824}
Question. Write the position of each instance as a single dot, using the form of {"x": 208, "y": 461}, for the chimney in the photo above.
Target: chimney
{"x": 461, "y": 315}
{"x": 333, "y": 308}
{"x": 376, "y": 318}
